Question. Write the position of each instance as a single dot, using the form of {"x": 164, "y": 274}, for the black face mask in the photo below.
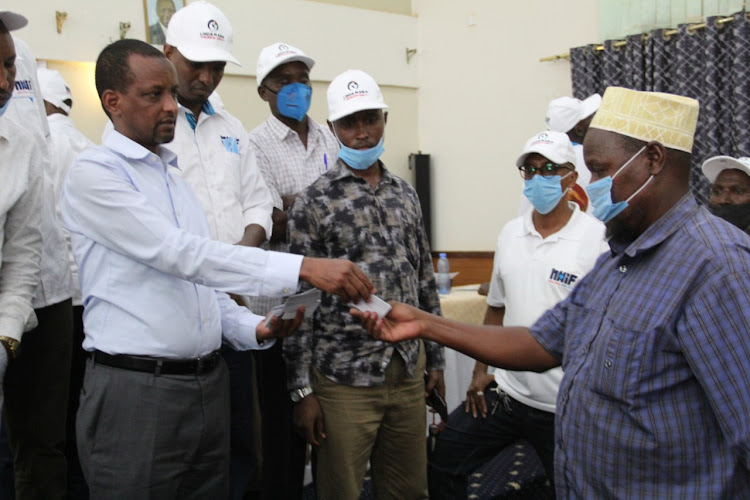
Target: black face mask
{"x": 739, "y": 215}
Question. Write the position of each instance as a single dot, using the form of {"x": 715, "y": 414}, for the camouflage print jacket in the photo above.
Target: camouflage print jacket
{"x": 342, "y": 217}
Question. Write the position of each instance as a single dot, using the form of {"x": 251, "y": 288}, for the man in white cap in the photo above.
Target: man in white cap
{"x": 540, "y": 256}
{"x": 653, "y": 341}
{"x": 359, "y": 399}
{"x": 66, "y": 143}
{"x": 36, "y": 384}
{"x": 154, "y": 414}
{"x": 571, "y": 116}
{"x": 730, "y": 189}
{"x": 292, "y": 150}
{"x": 217, "y": 160}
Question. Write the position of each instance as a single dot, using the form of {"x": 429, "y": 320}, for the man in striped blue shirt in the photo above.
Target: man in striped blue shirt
{"x": 654, "y": 341}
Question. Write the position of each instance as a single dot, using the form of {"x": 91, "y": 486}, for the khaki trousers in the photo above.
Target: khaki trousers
{"x": 384, "y": 424}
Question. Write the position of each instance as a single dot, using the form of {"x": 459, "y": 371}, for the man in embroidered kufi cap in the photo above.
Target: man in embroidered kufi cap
{"x": 654, "y": 340}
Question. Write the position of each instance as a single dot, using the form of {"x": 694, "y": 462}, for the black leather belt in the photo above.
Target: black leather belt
{"x": 159, "y": 366}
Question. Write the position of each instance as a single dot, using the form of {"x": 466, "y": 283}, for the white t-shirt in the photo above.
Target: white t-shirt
{"x": 531, "y": 275}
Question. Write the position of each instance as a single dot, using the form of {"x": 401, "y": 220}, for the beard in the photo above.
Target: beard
{"x": 620, "y": 229}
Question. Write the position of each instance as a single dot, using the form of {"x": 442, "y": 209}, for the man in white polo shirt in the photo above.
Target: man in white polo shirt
{"x": 218, "y": 162}
{"x": 292, "y": 150}
{"x": 540, "y": 256}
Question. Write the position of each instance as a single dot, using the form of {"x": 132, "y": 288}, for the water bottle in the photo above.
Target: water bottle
{"x": 443, "y": 275}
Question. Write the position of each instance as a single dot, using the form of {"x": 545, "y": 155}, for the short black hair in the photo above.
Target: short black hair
{"x": 112, "y": 68}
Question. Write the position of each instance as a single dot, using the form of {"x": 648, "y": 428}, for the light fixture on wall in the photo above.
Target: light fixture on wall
{"x": 409, "y": 54}
{"x": 124, "y": 27}
{"x": 60, "y": 18}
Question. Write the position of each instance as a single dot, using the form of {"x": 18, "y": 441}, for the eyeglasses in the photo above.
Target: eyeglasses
{"x": 546, "y": 170}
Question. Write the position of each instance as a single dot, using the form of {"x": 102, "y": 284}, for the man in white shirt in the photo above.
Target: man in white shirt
{"x": 539, "y": 258}
{"x": 292, "y": 150}
{"x": 66, "y": 143}
{"x": 218, "y": 162}
{"x": 154, "y": 415}
{"x": 36, "y": 385}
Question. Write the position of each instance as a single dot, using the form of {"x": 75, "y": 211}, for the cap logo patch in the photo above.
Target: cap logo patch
{"x": 213, "y": 31}
{"x": 354, "y": 91}
{"x": 284, "y": 51}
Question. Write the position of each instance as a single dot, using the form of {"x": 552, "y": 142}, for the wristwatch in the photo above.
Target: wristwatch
{"x": 298, "y": 395}
{"x": 11, "y": 345}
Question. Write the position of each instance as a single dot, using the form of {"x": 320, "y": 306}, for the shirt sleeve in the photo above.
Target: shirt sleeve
{"x": 713, "y": 333}
{"x": 549, "y": 329}
{"x": 238, "y": 325}
{"x": 100, "y": 202}
{"x": 302, "y": 230}
{"x": 21, "y": 254}
{"x": 257, "y": 203}
{"x": 496, "y": 294}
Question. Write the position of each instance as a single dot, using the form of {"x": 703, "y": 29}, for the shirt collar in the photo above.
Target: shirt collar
{"x": 662, "y": 229}
{"x": 281, "y": 131}
{"x": 340, "y": 171}
{"x": 132, "y": 150}
{"x": 205, "y": 108}
{"x": 571, "y": 230}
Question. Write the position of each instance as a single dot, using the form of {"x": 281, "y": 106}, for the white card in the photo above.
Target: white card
{"x": 376, "y": 305}
{"x": 288, "y": 310}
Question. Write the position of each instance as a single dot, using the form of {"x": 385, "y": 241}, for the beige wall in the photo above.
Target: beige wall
{"x": 483, "y": 93}
{"x": 470, "y": 97}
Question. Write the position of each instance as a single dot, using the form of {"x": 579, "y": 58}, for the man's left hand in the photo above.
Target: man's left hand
{"x": 435, "y": 380}
{"x": 279, "y": 328}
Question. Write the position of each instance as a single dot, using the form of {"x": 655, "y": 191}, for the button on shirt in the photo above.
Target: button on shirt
{"x": 288, "y": 167}
{"x": 654, "y": 342}
{"x": 342, "y": 217}
{"x": 530, "y": 275}
{"x": 217, "y": 161}
{"x": 20, "y": 222}
{"x": 149, "y": 272}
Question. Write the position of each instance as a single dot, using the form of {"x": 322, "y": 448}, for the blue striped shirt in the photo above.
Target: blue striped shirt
{"x": 655, "y": 344}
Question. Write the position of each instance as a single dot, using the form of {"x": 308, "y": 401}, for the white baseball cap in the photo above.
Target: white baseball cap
{"x": 352, "y": 91}
{"x": 202, "y": 33}
{"x": 54, "y": 88}
{"x": 564, "y": 113}
{"x": 12, "y": 20}
{"x": 275, "y": 55}
{"x": 555, "y": 146}
{"x": 714, "y": 166}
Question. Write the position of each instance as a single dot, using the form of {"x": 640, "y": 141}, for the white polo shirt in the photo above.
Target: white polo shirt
{"x": 216, "y": 159}
{"x": 531, "y": 275}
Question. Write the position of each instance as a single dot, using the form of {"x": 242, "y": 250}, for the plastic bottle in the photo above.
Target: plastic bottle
{"x": 443, "y": 275}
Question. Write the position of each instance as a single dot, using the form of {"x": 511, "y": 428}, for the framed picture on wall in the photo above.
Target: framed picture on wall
{"x": 158, "y": 13}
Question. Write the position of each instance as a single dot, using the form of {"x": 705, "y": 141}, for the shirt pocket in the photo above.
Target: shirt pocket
{"x": 618, "y": 356}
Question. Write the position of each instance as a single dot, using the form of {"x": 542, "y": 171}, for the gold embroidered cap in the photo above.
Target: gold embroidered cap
{"x": 649, "y": 116}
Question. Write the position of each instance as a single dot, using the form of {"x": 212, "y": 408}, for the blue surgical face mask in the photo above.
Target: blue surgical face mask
{"x": 544, "y": 192}
{"x": 600, "y": 194}
{"x": 361, "y": 159}
{"x": 293, "y": 100}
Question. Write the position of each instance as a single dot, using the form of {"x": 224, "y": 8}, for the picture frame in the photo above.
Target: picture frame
{"x": 157, "y": 14}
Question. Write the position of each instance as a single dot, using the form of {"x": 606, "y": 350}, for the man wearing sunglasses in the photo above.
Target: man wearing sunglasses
{"x": 540, "y": 257}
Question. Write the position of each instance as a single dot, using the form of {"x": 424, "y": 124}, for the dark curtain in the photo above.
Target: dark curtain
{"x": 711, "y": 65}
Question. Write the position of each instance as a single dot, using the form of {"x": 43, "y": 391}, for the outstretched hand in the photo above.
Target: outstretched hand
{"x": 402, "y": 323}
{"x": 338, "y": 276}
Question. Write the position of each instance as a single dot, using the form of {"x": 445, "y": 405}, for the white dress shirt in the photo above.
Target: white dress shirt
{"x": 150, "y": 275}
{"x": 218, "y": 163}
{"x": 27, "y": 110}
{"x": 20, "y": 222}
{"x": 288, "y": 167}
{"x": 66, "y": 142}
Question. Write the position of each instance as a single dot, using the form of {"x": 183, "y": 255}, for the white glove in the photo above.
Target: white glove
{"x": 3, "y": 367}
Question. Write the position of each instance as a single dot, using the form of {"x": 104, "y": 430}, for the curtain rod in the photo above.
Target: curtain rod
{"x": 622, "y": 43}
